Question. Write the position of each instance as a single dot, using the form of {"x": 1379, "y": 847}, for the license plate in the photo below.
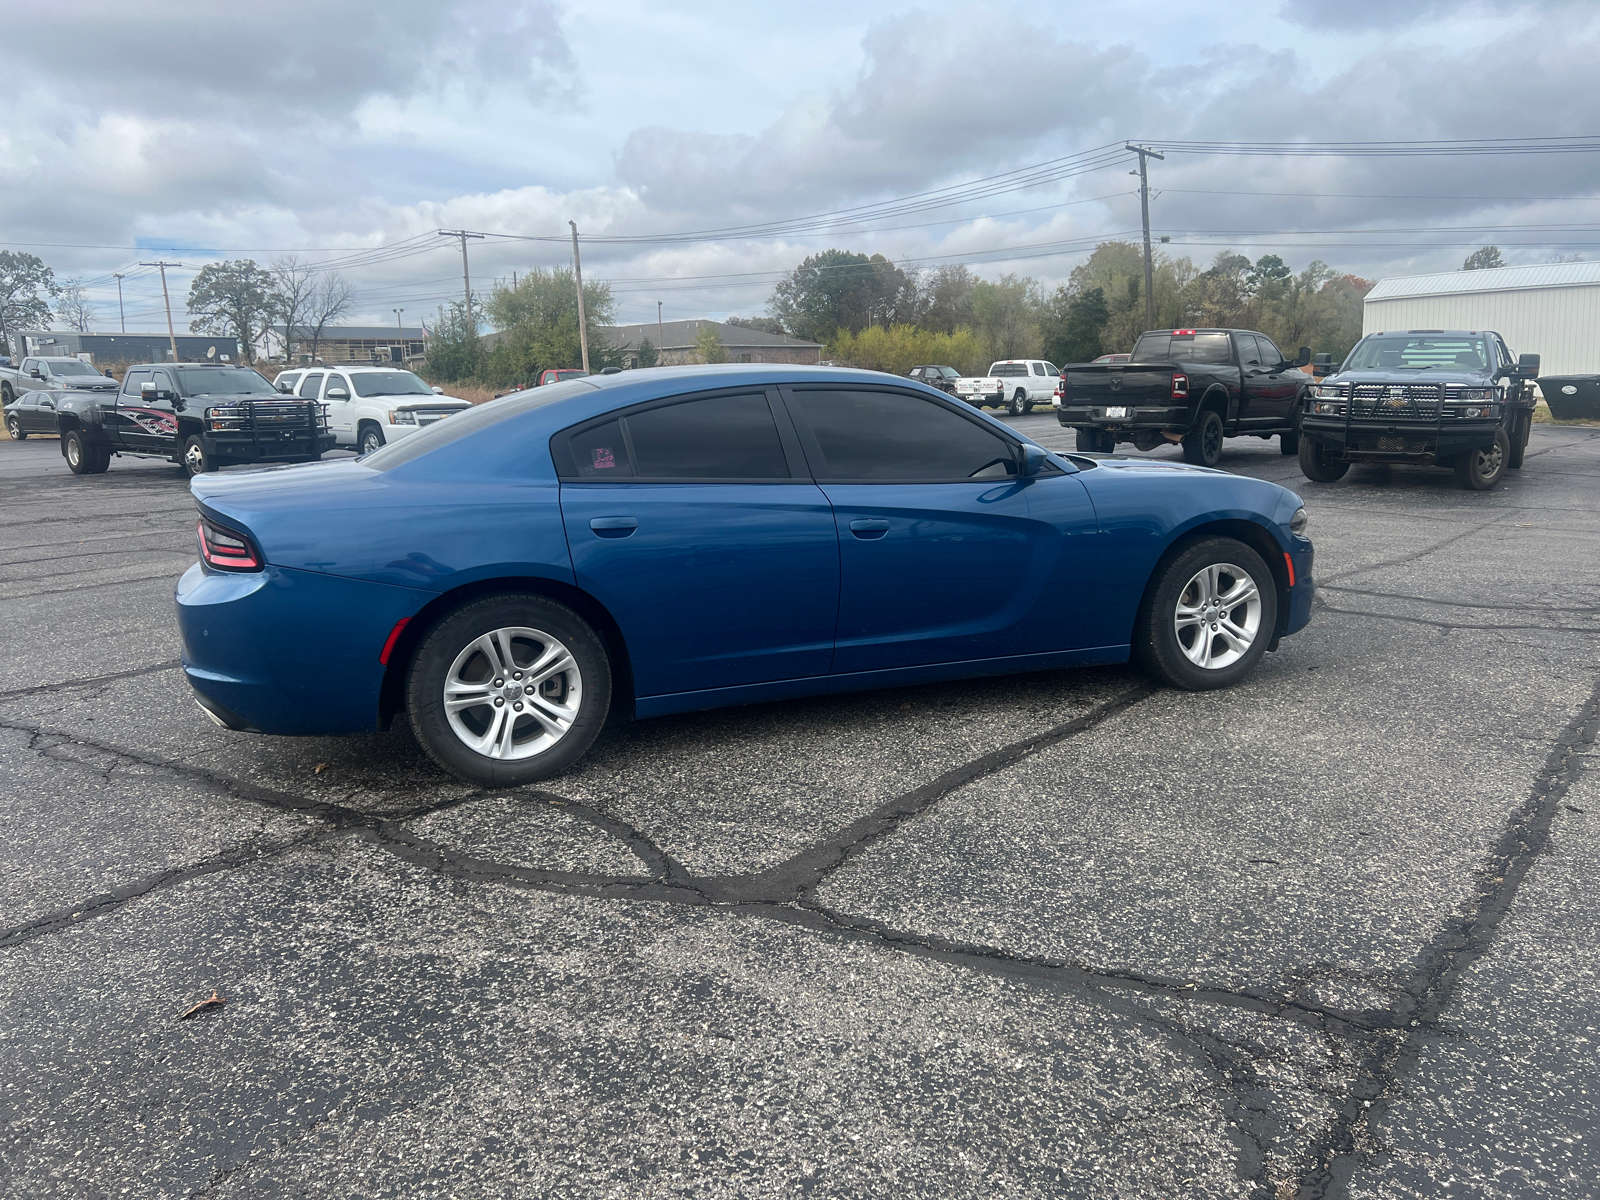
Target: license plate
{"x": 1119, "y": 412}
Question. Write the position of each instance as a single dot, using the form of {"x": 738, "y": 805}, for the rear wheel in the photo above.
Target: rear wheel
{"x": 1318, "y": 464}
{"x": 1096, "y": 441}
{"x": 1017, "y": 400}
{"x": 1479, "y": 470}
{"x": 508, "y": 689}
{"x": 14, "y": 428}
{"x": 1202, "y": 445}
{"x": 1208, "y": 616}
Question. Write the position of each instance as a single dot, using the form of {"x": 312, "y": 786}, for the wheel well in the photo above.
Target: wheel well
{"x": 1252, "y": 535}
{"x": 365, "y": 421}
{"x": 391, "y": 695}
{"x": 1215, "y": 398}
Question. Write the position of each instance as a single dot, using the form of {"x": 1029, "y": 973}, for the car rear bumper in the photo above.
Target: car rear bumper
{"x": 1399, "y": 441}
{"x": 1141, "y": 416}
{"x": 285, "y": 651}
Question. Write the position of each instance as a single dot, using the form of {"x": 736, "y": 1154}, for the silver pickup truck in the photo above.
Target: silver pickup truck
{"x": 36, "y": 373}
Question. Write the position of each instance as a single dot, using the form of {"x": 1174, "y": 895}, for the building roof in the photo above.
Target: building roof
{"x": 680, "y": 335}
{"x": 361, "y": 333}
{"x": 112, "y": 333}
{"x": 1494, "y": 279}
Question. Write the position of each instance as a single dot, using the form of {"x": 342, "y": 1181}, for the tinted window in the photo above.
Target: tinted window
{"x": 389, "y": 383}
{"x": 723, "y": 437}
{"x": 1007, "y": 370}
{"x": 1249, "y": 354}
{"x": 336, "y": 381}
{"x": 1409, "y": 352}
{"x": 1038, "y": 368}
{"x": 163, "y": 381}
{"x": 1270, "y": 354}
{"x": 600, "y": 453}
{"x": 1051, "y": 369}
{"x": 310, "y": 385}
{"x": 131, "y": 383}
{"x": 1196, "y": 347}
{"x": 884, "y": 436}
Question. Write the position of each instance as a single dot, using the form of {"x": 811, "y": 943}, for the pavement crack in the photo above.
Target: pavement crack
{"x": 1412, "y": 557}
{"x": 1464, "y": 938}
{"x": 1470, "y": 626}
{"x": 91, "y": 681}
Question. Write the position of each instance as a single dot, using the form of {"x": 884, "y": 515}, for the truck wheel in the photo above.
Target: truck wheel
{"x": 1202, "y": 445}
{"x": 1521, "y": 427}
{"x": 1015, "y": 407}
{"x": 1318, "y": 465}
{"x": 7, "y": 396}
{"x": 1289, "y": 443}
{"x": 14, "y": 428}
{"x": 82, "y": 458}
{"x": 1207, "y": 616}
{"x": 1097, "y": 441}
{"x": 371, "y": 439}
{"x": 1480, "y": 470}
{"x": 508, "y": 689}
{"x": 195, "y": 459}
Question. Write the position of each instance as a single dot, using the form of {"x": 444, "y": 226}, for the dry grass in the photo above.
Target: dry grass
{"x": 1541, "y": 416}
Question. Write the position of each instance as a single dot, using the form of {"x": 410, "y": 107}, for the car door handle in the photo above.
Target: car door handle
{"x": 614, "y": 527}
{"x": 869, "y": 529}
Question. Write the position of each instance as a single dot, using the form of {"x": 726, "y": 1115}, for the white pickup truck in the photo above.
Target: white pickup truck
{"x": 1015, "y": 384}
{"x": 370, "y": 406}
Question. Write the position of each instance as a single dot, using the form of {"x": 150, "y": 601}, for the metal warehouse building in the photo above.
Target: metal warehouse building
{"x": 1551, "y": 310}
{"x": 107, "y": 348}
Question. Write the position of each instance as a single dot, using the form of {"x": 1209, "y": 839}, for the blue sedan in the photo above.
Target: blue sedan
{"x": 686, "y": 538}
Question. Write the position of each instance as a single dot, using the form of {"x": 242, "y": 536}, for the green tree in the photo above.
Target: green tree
{"x": 454, "y": 350}
{"x": 838, "y": 289}
{"x": 1073, "y": 326}
{"x": 648, "y": 355}
{"x": 538, "y": 324}
{"x": 1268, "y": 278}
{"x": 1484, "y": 258}
{"x": 947, "y": 296}
{"x": 230, "y": 298}
{"x": 762, "y": 324}
{"x": 708, "y": 347}
{"x": 900, "y": 347}
{"x": 1005, "y": 316}
{"x": 27, "y": 287}
{"x": 1117, "y": 268}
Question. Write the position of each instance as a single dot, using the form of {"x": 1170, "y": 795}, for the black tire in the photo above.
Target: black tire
{"x": 1289, "y": 443}
{"x": 7, "y": 396}
{"x": 194, "y": 459}
{"x": 82, "y": 458}
{"x": 14, "y": 428}
{"x": 1162, "y": 650}
{"x": 449, "y": 646}
{"x": 368, "y": 438}
{"x": 1480, "y": 470}
{"x": 1521, "y": 427}
{"x": 1014, "y": 407}
{"x": 1318, "y": 465}
{"x": 1096, "y": 441}
{"x": 1202, "y": 445}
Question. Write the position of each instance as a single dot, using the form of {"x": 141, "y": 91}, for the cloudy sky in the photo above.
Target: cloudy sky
{"x": 349, "y": 132}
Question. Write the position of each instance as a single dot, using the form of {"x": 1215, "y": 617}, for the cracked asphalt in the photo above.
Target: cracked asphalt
{"x": 1332, "y": 933}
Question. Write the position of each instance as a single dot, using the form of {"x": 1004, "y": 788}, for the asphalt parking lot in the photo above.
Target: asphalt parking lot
{"x": 1333, "y": 932}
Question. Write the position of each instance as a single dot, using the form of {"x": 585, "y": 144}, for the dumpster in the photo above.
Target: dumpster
{"x": 1572, "y": 397}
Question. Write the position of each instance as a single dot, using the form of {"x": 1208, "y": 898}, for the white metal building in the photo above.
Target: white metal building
{"x": 1551, "y": 310}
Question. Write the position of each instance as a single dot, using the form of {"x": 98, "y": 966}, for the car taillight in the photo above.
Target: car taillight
{"x": 1180, "y": 386}
{"x": 225, "y": 549}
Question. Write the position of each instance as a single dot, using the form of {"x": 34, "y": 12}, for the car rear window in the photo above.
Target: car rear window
{"x": 1168, "y": 347}
{"x": 1006, "y": 370}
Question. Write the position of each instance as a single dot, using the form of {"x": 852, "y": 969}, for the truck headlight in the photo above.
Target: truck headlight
{"x": 401, "y": 417}
{"x": 1329, "y": 391}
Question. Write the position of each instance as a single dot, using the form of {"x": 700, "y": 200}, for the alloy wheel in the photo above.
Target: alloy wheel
{"x": 512, "y": 693}
{"x": 1218, "y": 616}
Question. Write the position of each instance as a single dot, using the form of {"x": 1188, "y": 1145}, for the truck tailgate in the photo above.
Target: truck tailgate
{"x": 1116, "y": 383}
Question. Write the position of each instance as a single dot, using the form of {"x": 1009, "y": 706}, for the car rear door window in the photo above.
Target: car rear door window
{"x": 715, "y": 439}
{"x": 868, "y": 436}
{"x": 1249, "y": 352}
{"x": 600, "y": 452}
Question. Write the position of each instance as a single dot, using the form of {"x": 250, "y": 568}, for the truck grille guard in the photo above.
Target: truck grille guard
{"x": 270, "y": 423}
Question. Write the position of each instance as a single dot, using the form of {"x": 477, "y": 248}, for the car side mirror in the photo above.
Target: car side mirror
{"x": 34, "y": 371}
{"x": 1322, "y": 360}
{"x": 1528, "y": 366}
{"x": 147, "y": 391}
{"x": 1304, "y": 357}
{"x": 286, "y": 388}
{"x": 338, "y": 394}
{"x": 438, "y": 391}
{"x": 1033, "y": 461}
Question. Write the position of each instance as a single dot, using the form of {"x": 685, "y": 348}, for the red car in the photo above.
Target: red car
{"x": 557, "y": 374}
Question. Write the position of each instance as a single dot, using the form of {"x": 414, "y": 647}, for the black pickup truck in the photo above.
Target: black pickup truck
{"x": 1431, "y": 397}
{"x": 199, "y": 415}
{"x": 1190, "y": 386}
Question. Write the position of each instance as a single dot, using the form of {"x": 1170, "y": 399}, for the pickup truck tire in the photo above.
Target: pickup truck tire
{"x": 7, "y": 396}
{"x": 1480, "y": 470}
{"x": 1289, "y": 443}
{"x": 1097, "y": 441}
{"x": 1521, "y": 427}
{"x": 1202, "y": 445}
{"x": 1208, "y": 616}
{"x": 1317, "y": 465}
{"x": 194, "y": 458}
{"x": 82, "y": 458}
{"x": 1019, "y": 402}
{"x": 474, "y": 655}
{"x": 14, "y": 428}
{"x": 369, "y": 438}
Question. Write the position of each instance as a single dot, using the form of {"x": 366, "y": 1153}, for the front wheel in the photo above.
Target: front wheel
{"x": 1318, "y": 464}
{"x": 1479, "y": 470}
{"x": 1207, "y": 616}
{"x": 508, "y": 689}
{"x": 195, "y": 459}
{"x": 14, "y": 428}
{"x": 371, "y": 439}
{"x": 1202, "y": 445}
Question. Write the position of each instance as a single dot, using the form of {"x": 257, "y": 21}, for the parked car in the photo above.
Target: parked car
{"x": 1016, "y": 384}
{"x": 200, "y": 416}
{"x": 36, "y": 372}
{"x": 1109, "y": 358}
{"x": 508, "y": 577}
{"x": 1193, "y": 387}
{"x": 33, "y": 412}
{"x": 943, "y": 378}
{"x": 1431, "y": 397}
{"x": 369, "y": 407}
{"x": 559, "y": 375}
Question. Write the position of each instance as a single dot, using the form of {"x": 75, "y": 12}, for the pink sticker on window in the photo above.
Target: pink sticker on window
{"x": 602, "y": 458}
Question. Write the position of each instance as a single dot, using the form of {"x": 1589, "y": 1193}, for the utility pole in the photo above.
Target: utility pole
{"x": 466, "y": 276}
{"x": 120, "y": 314}
{"x": 1144, "y": 205}
{"x": 660, "y": 336}
{"x": 583, "y": 318}
{"x": 171, "y": 337}
{"x": 400, "y": 333}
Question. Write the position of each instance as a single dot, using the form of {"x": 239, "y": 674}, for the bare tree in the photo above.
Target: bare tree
{"x": 329, "y": 301}
{"x": 290, "y": 297}
{"x": 73, "y": 306}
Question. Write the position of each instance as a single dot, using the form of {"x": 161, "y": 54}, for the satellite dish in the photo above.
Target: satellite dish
{"x": 211, "y": 351}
